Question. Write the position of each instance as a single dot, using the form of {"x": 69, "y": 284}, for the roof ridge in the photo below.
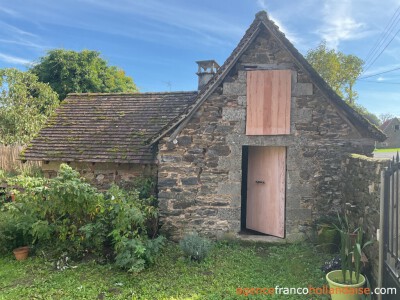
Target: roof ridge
{"x": 131, "y": 93}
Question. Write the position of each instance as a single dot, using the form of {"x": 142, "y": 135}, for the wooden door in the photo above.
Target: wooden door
{"x": 268, "y": 102}
{"x": 265, "y": 209}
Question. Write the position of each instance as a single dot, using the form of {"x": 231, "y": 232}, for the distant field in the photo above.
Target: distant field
{"x": 387, "y": 150}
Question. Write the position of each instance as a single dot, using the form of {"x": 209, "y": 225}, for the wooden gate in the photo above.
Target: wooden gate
{"x": 391, "y": 186}
{"x": 266, "y": 177}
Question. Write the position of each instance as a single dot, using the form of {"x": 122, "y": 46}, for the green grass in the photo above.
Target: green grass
{"x": 387, "y": 150}
{"x": 229, "y": 266}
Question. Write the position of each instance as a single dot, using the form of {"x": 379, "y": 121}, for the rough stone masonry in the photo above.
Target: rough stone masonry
{"x": 200, "y": 177}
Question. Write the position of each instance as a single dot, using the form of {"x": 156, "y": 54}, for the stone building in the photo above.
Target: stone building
{"x": 106, "y": 136}
{"x": 392, "y": 130}
{"x": 259, "y": 148}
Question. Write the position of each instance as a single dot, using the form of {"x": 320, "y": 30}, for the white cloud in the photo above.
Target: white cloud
{"x": 8, "y": 11}
{"x": 23, "y": 43}
{"x": 16, "y": 30}
{"x": 340, "y": 23}
{"x": 14, "y": 59}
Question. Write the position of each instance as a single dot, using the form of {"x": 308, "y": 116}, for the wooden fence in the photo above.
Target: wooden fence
{"x": 9, "y": 159}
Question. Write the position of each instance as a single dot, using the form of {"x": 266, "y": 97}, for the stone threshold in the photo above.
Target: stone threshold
{"x": 261, "y": 238}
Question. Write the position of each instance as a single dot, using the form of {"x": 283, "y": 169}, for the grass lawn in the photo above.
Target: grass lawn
{"x": 229, "y": 266}
{"x": 387, "y": 150}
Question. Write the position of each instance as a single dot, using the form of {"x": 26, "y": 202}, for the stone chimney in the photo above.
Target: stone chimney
{"x": 207, "y": 69}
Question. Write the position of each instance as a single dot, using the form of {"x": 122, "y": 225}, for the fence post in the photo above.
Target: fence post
{"x": 381, "y": 231}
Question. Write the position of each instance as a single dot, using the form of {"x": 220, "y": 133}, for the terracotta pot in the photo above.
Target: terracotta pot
{"x": 21, "y": 253}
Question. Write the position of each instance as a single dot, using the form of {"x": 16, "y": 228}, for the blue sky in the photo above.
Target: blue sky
{"x": 157, "y": 42}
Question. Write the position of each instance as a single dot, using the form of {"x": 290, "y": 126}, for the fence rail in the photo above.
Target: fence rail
{"x": 9, "y": 159}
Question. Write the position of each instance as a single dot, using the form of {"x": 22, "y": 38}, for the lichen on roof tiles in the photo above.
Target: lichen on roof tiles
{"x": 107, "y": 127}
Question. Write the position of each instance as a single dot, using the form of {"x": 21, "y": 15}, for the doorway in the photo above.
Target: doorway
{"x": 264, "y": 189}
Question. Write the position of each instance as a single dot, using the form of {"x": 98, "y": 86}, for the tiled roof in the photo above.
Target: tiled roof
{"x": 107, "y": 127}
{"x": 261, "y": 22}
{"x": 385, "y": 124}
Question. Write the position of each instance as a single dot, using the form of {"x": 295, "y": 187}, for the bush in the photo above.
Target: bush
{"x": 128, "y": 216}
{"x": 195, "y": 247}
{"x": 59, "y": 208}
{"x": 68, "y": 215}
{"x": 14, "y": 231}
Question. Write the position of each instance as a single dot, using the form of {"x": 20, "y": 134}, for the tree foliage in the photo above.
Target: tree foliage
{"x": 339, "y": 70}
{"x": 25, "y": 104}
{"x": 70, "y": 71}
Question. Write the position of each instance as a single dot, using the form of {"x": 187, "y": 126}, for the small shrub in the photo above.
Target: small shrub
{"x": 195, "y": 247}
{"x": 128, "y": 218}
{"x": 134, "y": 255}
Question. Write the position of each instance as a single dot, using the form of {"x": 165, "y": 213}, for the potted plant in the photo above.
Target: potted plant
{"x": 349, "y": 278}
{"x": 15, "y": 231}
{"x": 22, "y": 239}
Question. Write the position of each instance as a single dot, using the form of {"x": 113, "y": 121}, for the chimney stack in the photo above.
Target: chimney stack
{"x": 207, "y": 69}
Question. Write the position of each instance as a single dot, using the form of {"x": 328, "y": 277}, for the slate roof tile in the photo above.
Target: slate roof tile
{"x": 107, "y": 127}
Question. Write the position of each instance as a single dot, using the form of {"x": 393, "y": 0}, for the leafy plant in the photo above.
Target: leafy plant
{"x": 15, "y": 228}
{"x": 351, "y": 246}
{"x": 134, "y": 254}
{"x": 195, "y": 247}
{"x": 128, "y": 218}
{"x": 61, "y": 206}
{"x": 73, "y": 218}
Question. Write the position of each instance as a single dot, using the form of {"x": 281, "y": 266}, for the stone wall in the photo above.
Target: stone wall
{"x": 200, "y": 176}
{"x": 102, "y": 175}
{"x": 361, "y": 188}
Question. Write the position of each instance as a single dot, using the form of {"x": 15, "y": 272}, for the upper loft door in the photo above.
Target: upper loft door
{"x": 268, "y": 102}
{"x": 265, "y": 209}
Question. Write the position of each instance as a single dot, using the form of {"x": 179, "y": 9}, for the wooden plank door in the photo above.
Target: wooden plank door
{"x": 265, "y": 209}
{"x": 268, "y": 102}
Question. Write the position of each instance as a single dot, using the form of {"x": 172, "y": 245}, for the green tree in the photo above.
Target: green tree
{"x": 339, "y": 70}
{"x": 25, "y": 104}
{"x": 69, "y": 71}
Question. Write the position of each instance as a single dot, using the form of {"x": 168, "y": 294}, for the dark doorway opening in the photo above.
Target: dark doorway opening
{"x": 245, "y": 158}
